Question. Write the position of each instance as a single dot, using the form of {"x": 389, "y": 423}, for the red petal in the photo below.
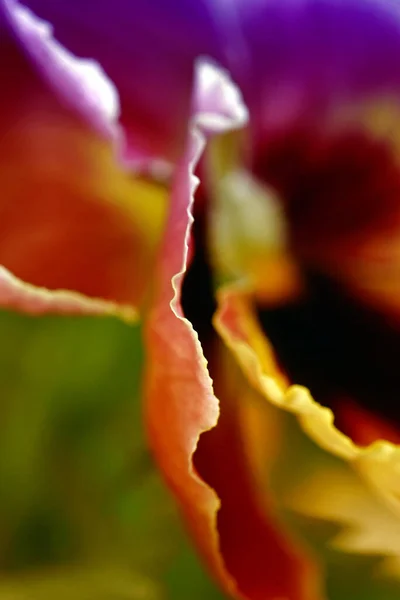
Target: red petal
{"x": 264, "y": 560}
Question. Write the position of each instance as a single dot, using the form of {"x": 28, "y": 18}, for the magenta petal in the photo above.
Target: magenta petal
{"x": 148, "y": 49}
{"x": 309, "y": 55}
{"x": 79, "y": 85}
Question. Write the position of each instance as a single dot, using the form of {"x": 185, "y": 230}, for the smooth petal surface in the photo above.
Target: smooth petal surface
{"x": 148, "y": 50}
{"x": 309, "y": 56}
{"x": 180, "y": 404}
{"x": 72, "y": 216}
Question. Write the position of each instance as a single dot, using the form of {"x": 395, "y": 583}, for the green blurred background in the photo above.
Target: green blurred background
{"x": 83, "y": 511}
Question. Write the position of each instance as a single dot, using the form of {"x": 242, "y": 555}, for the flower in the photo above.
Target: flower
{"x": 103, "y": 123}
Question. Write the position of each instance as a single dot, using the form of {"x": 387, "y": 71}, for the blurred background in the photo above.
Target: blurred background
{"x": 83, "y": 512}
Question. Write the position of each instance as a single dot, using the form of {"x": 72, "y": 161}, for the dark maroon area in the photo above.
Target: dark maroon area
{"x": 331, "y": 186}
{"x": 333, "y": 189}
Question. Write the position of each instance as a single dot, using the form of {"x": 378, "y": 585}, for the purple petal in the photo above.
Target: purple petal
{"x": 30, "y": 52}
{"x": 148, "y": 49}
{"x": 311, "y": 54}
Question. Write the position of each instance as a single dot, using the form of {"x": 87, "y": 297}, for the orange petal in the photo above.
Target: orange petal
{"x": 180, "y": 404}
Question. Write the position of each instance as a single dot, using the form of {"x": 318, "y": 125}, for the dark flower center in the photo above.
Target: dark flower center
{"x": 335, "y": 192}
{"x": 333, "y": 188}
{"x": 338, "y": 349}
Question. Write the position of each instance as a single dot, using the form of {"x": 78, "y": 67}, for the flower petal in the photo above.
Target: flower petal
{"x": 266, "y": 562}
{"x": 180, "y": 404}
{"x": 73, "y": 217}
{"x": 148, "y": 50}
{"x": 309, "y": 55}
{"x": 338, "y": 186}
{"x": 324, "y": 501}
{"x": 80, "y": 84}
{"x": 18, "y": 295}
{"x": 314, "y": 456}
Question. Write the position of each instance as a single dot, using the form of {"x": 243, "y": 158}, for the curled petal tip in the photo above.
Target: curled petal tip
{"x": 218, "y": 103}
